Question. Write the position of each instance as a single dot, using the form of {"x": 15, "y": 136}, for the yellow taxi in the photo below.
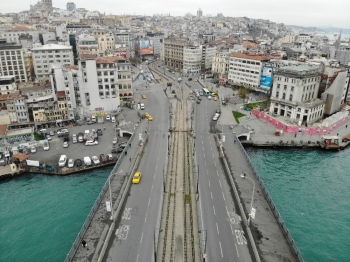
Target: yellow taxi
{"x": 136, "y": 178}
{"x": 149, "y": 117}
{"x": 143, "y": 96}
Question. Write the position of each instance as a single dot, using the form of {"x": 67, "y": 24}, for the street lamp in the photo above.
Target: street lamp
{"x": 154, "y": 242}
{"x": 205, "y": 243}
{"x": 251, "y": 202}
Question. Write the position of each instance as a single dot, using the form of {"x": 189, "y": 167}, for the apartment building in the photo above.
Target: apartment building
{"x": 12, "y": 61}
{"x": 174, "y": 52}
{"x": 156, "y": 38}
{"x": 48, "y": 55}
{"x": 7, "y": 85}
{"x": 86, "y": 44}
{"x": 13, "y": 35}
{"x": 220, "y": 64}
{"x": 17, "y": 108}
{"x": 125, "y": 80}
{"x": 106, "y": 43}
{"x": 294, "y": 94}
{"x": 245, "y": 69}
{"x": 208, "y": 52}
{"x": 192, "y": 59}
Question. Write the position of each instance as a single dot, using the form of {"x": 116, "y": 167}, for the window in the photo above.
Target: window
{"x": 290, "y": 97}
{"x": 285, "y": 87}
{"x": 284, "y": 96}
{"x": 292, "y": 88}
{"x": 277, "y": 94}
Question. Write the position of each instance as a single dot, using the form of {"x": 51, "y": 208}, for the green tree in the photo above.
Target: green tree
{"x": 243, "y": 93}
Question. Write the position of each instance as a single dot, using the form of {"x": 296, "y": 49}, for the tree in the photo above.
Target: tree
{"x": 243, "y": 93}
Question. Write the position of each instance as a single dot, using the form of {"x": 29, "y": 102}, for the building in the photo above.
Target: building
{"x": 125, "y": 80}
{"x": 7, "y": 85}
{"x": 156, "y": 38}
{"x": 199, "y": 13}
{"x": 17, "y": 108}
{"x": 12, "y": 61}
{"x": 70, "y": 6}
{"x": 13, "y": 35}
{"x": 208, "y": 52}
{"x": 48, "y": 55}
{"x": 220, "y": 64}
{"x": 86, "y": 44}
{"x": 294, "y": 94}
{"x": 192, "y": 59}
{"x": 245, "y": 69}
{"x": 174, "y": 52}
{"x": 106, "y": 44}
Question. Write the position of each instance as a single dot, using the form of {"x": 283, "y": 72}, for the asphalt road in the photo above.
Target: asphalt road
{"x": 134, "y": 236}
{"x": 226, "y": 240}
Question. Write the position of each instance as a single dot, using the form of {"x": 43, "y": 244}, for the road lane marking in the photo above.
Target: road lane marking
{"x": 156, "y": 166}
{"x": 212, "y": 154}
{"x": 207, "y": 172}
{"x": 127, "y": 213}
{"x": 223, "y": 196}
{"x": 214, "y": 163}
{"x": 211, "y": 195}
{"x": 203, "y": 148}
{"x": 220, "y": 183}
{"x": 237, "y": 250}
{"x": 151, "y": 188}
{"x": 217, "y": 228}
{"x": 137, "y": 259}
{"x": 217, "y": 173}
{"x": 209, "y": 183}
{"x": 149, "y": 201}
{"x": 205, "y": 162}
{"x": 154, "y": 176}
{"x": 202, "y": 142}
{"x": 214, "y": 212}
{"x": 146, "y": 218}
{"x": 221, "y": 249}
{"x": 204, "y": 155}
{"x": 141, "y": 238}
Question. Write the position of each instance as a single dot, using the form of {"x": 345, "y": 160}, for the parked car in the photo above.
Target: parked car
{"x": 209, "y": 97}
{"x": 62, "y": 161}
{"x": 65, "y": 144}
{"x": 71, "y": 162}
{"x": 61, "y": 132}
{"x": 216, "y": 116}
{"x": 218, "y": 111}
{"x": 95, "y": 160}
{"x": 78, "y": 162}
{"x": 103, "y": 158}
{"x": 43, "y": 131}
{"x": 74, "y": 139}
{"x": 143, "y": 96}
{"x": 115, "y": 140}
{"x": 113, "y": 119}
{"x": 87, "y": 160}
{"x": 108, "y": 118}
{"x": 110, "y": 157}
{"x": 80, "y": 137}
{"x": 46, "y": 146}
{"x": 33, "y": 150}
{"x": 120, "y": 149}
{"x": 91, "y": 143}
{"x": 123, "y": 145}
{"x": 52, "y": 133}
{"x": 48, "y": 137}
{"x": 91, "y": 122}
{"x": 99, "y": 132}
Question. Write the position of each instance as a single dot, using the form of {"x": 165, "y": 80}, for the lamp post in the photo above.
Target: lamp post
{"x": 154, "y": 242}
{"x": 197, "y": 177}
{"x": 251, "y": 202}
{"x": 205, "y": 243}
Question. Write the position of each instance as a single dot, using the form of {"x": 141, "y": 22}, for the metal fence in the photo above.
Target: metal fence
{"x": 273, "y": 207}
{"x": 89, "y": 217}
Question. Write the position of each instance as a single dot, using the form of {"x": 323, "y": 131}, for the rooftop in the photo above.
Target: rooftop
{"x": 301, "y": 69}
{"x": 259, "y": 57}
{"x": 52, "y": 47}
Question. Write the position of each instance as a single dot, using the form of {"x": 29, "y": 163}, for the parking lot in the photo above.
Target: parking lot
{"x": 78, "y": 150}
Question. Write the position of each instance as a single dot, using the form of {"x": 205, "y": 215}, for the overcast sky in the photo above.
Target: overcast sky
{"x": 291, "y": 12}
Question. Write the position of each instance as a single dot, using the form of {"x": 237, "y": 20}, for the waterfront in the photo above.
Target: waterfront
{"x": 311, "y": 191}
{"x": 41, "y": 215}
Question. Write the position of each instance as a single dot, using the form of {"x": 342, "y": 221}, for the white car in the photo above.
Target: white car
{"x": 48, "y": 137}
{"x": 115, "y": 140}
{"x": 95, "y": 160}
{"x": 113, "y": 119}
{"x": 108, "y": 117}
{"x": 209, "y": 97}
{"x": 65, "y": 144}
{"x": 63, "y": 160}
{"x": 91, "y": 143}
{"x": 216, "y": 116}
{"x": 46, "y": 146}
{"x": 33, "y": 149}
{"x": 71, "y": 162}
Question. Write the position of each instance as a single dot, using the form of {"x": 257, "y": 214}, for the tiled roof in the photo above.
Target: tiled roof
{"x": 60, "y": 94}
{"x": 250, "y": 56}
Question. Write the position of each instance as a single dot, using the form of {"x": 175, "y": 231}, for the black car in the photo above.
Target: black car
{"x": 99, "y": 132}
{"x": 190, "y": 79}
{"x": 123, "y": 145}
{"x": 78, "y": 162}
{"x": 66, "y": 139}
{"x": 218, "y": 111}
{"x": 198, "y": 101}
{"x": 118, "y": 150}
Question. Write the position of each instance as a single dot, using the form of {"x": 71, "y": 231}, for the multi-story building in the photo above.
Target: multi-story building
{"x": 294, "y": 94}
{"x": 192, "y": 58}
{"x": 125, "y": 80}
{"x": 245, "y": 69}
{"x": 208, "y": 52}
{"x": 7, "y": 85}
{"x": 70, "y": 6}
{"x": 13, "y": 35}
{"x": 156, "y": 38}
{"x": 199, "y": 13}
{"x": 86, "y": 44}
{"x": 48, "y": 55}
{"x": 12, "y": 61}
{"x": 174, "y": 52}
{"x": 17, "y": 108}
{"x": 106, "y": 44}
{"x": 220, "y": 64}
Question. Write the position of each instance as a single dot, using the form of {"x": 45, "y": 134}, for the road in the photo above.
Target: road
{"x": 133, "y": 240}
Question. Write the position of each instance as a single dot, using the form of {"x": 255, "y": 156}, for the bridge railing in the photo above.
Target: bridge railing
{"x": 89, "y": 217}
{"x": 273, "y": 207}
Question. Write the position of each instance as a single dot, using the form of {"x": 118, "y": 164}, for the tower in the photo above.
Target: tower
{"x": 199, "y": 12}
{"x": 47, "y": 5}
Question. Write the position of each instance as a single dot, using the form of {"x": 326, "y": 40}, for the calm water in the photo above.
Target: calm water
{"x": 312, "y": 192}
{"x": 42, "y": 215}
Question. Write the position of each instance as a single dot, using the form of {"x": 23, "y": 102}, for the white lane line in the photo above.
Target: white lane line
{"x": 215, "y": 215}
{"x": 226, "y": 209}
{"x": 217, "y": 228}
{"x": 149, "y": 201}
{"x": 154, "y": 176}
{"x": 214, "y": 163}
{"x": 223, "y": 196}
{"x": 237, "y": 250}
{"x": 232, "y": 229}
{"x": 211, "y": 195}
{"x": 212, "y": 154}
{"x": 137, "y": 259}
{"x": 221, "y": 249}
{"x": 141, "y": 238}
{"x": 207, "y": 172}
{"x": 209, "y": 141}
{"x": 202, "y": 142}
{"x": 217, "y": 173}
{"x": 146, "y": 218}
{"x": 211, "y": 148}
{"x": 204, "y": 155}
{"x": 156, "y": 166}
{"x": 203, "y": 148}
{"x": 209, "y": 183}
{"x": 205, "y": 162}
{"x": 151, "y": 188}
{"x": 220, "y": 183}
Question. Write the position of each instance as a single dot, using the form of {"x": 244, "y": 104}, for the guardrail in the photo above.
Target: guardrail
{"x": 89, "y": 217}
{"x": 273, "y": 207}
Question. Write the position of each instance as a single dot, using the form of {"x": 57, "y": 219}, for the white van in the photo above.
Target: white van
{"x": 113, "y": 119}
{"x": 87, "y": 161}
{"x": 63, "y": 160}
{"x": 142, "y": 106}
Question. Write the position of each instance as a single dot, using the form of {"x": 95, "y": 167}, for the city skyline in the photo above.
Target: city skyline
{"x": 305, "y": 13}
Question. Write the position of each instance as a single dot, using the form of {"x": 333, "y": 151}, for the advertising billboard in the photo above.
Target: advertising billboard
{"x": 266, "y": 77}
{"x": 144, "y": 47}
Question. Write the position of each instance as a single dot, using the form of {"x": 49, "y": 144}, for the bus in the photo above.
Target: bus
{"x": 206, "y": 92}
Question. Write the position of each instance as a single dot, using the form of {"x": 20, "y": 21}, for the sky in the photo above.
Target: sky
{"x": 315, "y": 13}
